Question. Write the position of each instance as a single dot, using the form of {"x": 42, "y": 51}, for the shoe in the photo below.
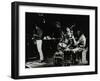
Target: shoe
{"x": 41, "y": 61}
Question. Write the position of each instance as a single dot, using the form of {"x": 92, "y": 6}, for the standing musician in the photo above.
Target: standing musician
{"x": 37, "y": 37}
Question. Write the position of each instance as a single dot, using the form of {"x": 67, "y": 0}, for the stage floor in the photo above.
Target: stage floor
{"x": 48, "y": 63}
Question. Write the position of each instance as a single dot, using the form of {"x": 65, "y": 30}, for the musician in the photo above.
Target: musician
{"x": 37, "y": 37}
{"x": 66, "y": 44}
{"x": 80, "y": 45}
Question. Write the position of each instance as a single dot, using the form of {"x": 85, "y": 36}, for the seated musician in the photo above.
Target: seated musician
{"x": 66, "y": 45}
{"x": 80, "y": 45}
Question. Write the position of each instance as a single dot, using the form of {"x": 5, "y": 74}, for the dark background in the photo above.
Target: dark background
{"x": 81, "y": 22}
